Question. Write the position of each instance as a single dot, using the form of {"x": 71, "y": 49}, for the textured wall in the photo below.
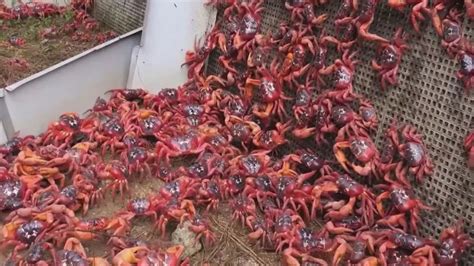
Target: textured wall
{"x": 121, "y": 15}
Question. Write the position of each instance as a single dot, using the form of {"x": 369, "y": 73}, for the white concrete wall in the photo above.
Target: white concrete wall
{"x": 71, "y": 86}
{"x": 10, "y": 3}
{"x": 169, "y": 30}
{"x": 3, "y": 117}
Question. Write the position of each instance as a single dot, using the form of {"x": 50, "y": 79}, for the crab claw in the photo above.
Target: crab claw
{"x": 172, "y": 254}
{"x": 340, "y": 253}
{"x": 73, "y": 244}
{"x": 129, "y": 256}
{"x": 339, "y": 153}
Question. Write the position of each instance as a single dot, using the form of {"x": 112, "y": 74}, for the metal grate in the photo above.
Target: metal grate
{"x": 428, "y": 96}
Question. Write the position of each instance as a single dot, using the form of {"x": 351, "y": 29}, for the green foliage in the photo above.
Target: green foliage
{"x": 68, "y": 15}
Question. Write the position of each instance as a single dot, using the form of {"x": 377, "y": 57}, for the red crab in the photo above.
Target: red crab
{"x": 195, "y": 114}
{"x": 290, "y": 191}
{"x": 453, "y": 243}
{"x": 132, "y": 96}
{"x": 86, "y": 180}
{"x": 110, "y": 135}
{"x": 233, "y": 105}
{"x": 242, "y": 130}
{"x": 296, "y": 39}
{"x": 21, "y": 234}
{"x": 259, "y": 189}
{"x": 88, "y": 229}
{"x": 284, "y": 221}
{"x": 138, "y": 160}
{"x": 139, "y": 207}
{"x": 270, "y": 139}
{"x": 319, "y": 59}
{"x": 181, "y": 188}
{"x": 247, "y": 36}
{"x": 353, "y": 190}
{"x": 260, "y": 231}
{"x": 74, "y": 253}
{"x": 270, "y": 93}
{"x": 27, "y": 225}
{"x": 304, "y": 11}
{"x": 12, "y": 192}
{"x": 10, "y": 149}
{"x": 195, "y": 60}
{"x": 200, "y": 226}
{"x": 243, "y": 207}
{"x": 253, "y": 164}
{"x": 469, "y": 147}
{"x": 117, "y": 173}
{"x": 173, "y": 210}
{"x": 422, "y": 250}
{"x": 141, "y": 255}
{"x": 181, "y": 142}
{"x": 295, "y": 64}
{"x": 308, "y": 161}
{"x": 146, "y": 123}
{"x": 302, "y": 243}
{"x": 258, "y": 57}
{"x": 402, "y": 201}
{"x": 357, "y": 248}
{"x": 32, "y": 169}
{"x": 101, "y": 109}
{"x": 164, "y": 99}
{"x": 346, "y": 32}
{"x": 368, "y": 115}
{"x": 343, "y": 75}
{"x": 365, "y": 152}
{"x": 319, "y": 112}
{"x": 451, "y": 32}
{"x": 16, "y": 41}
{"x": 206, "y": 166}
{"x": 233, "y": 185}
{"x": 17, "y": 64}
{"x": 349, "y": 224}
{"x": 351, "y": 123}
{"x": 225, "y": 35}
{"x": 365, "y": 17}
{"x": 37, "y": 254}
{"x": 389, "y": 58}
{"x": 302, "y": 110}
{"x": 71, "y": 196}
{"x": 209, "y": 194}
{"x": 418, "y": 8}
{"x": 69, "y": 129}
{"x": 415, "y": 156}
{"x": 68, "y": 161}
{"x": 466, "y": 71}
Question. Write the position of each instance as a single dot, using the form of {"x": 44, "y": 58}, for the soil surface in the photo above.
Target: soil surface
{"x": 38, "y": 52}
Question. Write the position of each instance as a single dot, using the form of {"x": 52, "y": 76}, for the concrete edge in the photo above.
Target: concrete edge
{"x": 18, "y": 84}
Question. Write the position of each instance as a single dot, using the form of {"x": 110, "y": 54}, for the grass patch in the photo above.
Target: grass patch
{"x": 40, "y": 53}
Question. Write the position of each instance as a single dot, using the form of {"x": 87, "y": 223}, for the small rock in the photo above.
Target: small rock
{"x": 183, "y": 236}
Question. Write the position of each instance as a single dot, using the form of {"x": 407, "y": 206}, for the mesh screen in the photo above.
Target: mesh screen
{"x": 428, "y": 96}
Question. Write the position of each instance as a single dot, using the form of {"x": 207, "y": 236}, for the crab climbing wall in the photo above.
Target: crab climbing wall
{"x": 428, "y": 96}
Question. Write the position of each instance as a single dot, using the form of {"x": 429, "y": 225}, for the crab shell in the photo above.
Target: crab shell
{"x": 363, "y": 149}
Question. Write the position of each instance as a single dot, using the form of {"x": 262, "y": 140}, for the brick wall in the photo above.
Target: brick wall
{"x": 121, "y": 15}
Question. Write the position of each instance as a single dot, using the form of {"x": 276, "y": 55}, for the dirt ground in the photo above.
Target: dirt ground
{"x": 38, "y": 52}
